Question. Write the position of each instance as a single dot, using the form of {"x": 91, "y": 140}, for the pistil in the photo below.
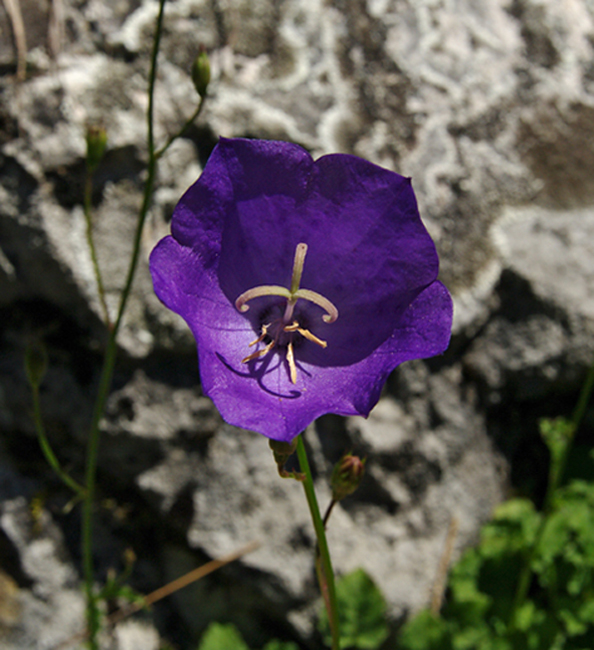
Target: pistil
{"x": 287, "y": 324}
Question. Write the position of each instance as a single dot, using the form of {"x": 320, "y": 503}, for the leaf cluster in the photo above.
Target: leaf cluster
{"x": 224, "y": 636}
{"x": 486, "y": 610}
{"x": 362, "y": 613}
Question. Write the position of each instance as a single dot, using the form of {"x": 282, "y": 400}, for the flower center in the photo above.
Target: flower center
{"x": 282, "y": 330}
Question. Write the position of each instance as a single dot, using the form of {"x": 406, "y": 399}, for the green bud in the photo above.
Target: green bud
{"x": 201, "y": 72}
{"x": 346, "y": 476}
{"x": 96, "y": 143}
{"x": 35, "y": 362}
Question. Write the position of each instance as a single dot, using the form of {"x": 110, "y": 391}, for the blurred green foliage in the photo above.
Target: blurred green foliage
{"x": 219, "y": 636}
{"x": 529, "y": 584}
{"x": 361, "y": 612}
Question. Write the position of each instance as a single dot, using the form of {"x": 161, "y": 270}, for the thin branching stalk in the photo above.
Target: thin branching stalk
{"x": 110, "y": 356}
{"x": 51, "y": 458}
{"x": 183, "y": 129}
{"x": 324, "y": 571}
{"x": 87, "y": 208}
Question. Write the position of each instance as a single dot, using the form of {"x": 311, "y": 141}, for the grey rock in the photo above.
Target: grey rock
{"x": 48, "y": 604}
{"x": 488, "y": 106}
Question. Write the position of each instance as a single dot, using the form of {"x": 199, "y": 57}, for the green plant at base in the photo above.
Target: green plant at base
{"x": 219, "y": 636}
{"x": 361, "y": 612}
{"x": 556, "y": 612}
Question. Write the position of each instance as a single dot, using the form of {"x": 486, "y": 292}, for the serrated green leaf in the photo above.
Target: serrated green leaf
{"x": 361, "y": 612}
{"x": 219, "y": 636}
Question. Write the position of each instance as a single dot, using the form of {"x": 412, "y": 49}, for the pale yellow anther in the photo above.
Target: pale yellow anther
{"x": 291, "y": 362}
{"x": 312, "y": 337}
{"x": 259, "y": 353}
{"x": 293, "y": 327}
{"x": 261, "y": 337}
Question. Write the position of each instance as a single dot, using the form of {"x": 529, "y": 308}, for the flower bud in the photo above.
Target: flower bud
{"x": 35, "y": 362}
{"x": 282, "y": 450}
{"x": 346, "y": 476}
{"x": 201, "y": 72}
{"x": 96, "y": 143}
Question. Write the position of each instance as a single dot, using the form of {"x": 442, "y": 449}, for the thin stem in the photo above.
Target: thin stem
{"x": 88, "y": 193}
{"x": 170, "y": 588}
{"x": 325, "y": 574}
{"x": 183, "y": 129}
{"x": 584, "y": 398}
{"x": 46, "y": 448}
{"x": 329, "y": 509}
{"x": 110, "y": 356}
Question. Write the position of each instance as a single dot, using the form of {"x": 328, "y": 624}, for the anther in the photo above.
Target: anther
{"x": 259, "y": 353}
{"x": 261, "y": 337}
{"x": 312, "y": 337}
{"x": 291, "y": 362}
{"x": 287, "y": 324}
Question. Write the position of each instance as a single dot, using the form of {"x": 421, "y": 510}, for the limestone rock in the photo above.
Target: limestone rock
{"x": 488, "y": 106}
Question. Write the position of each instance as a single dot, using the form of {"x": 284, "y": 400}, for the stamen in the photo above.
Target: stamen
{"x": 291, "y": 362}
{"x": 259, "y": 353}
{"x": 312, "y": 337}
{"x": 261, "y": 337}
{"x": 256, "y": 292}
{"x": 287, "y": 324}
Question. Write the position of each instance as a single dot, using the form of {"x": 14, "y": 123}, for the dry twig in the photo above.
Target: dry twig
{"x": 13, "y": 9}
{"x": 166, "y": 590}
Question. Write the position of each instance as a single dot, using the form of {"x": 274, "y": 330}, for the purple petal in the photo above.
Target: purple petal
{"x": 237, "y": 227}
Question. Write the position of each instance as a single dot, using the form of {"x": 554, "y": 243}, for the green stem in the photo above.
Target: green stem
{"x": 46, "y": 448}
{"x": 110, "y": 356}
{"x": 329, "y": 512}
{"x": 326, "y": 574}
{"x": 584, "y": 398}
{"x": 88, "y": 193}
{"x": 195, "y": 114}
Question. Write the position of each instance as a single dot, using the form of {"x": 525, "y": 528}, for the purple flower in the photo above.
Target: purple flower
{"x": 305, "y": 283}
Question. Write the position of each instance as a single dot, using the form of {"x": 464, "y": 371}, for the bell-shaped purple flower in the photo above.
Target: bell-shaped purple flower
{"x": 304, "y": 283}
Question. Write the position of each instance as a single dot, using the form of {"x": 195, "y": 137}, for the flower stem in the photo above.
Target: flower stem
{"x": 88, "y": 193}
{"x": 46, "y": 448}
{"x": 183, "y": 129}
{"x": 110, "y": 356}
{"x": 324, "y": 566}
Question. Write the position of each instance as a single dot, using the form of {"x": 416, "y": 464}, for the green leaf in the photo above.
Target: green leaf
{"x": 219, "y": 636}
{"x": 361, "y": 613}
{"x": 275, "y": 644}
{"x": 425, "y": 632}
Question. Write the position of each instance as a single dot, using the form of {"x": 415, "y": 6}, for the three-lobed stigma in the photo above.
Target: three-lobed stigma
{"x": 281, "y": 330}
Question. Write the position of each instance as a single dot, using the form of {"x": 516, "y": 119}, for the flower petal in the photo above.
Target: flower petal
{"x": 237, "y": 228}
